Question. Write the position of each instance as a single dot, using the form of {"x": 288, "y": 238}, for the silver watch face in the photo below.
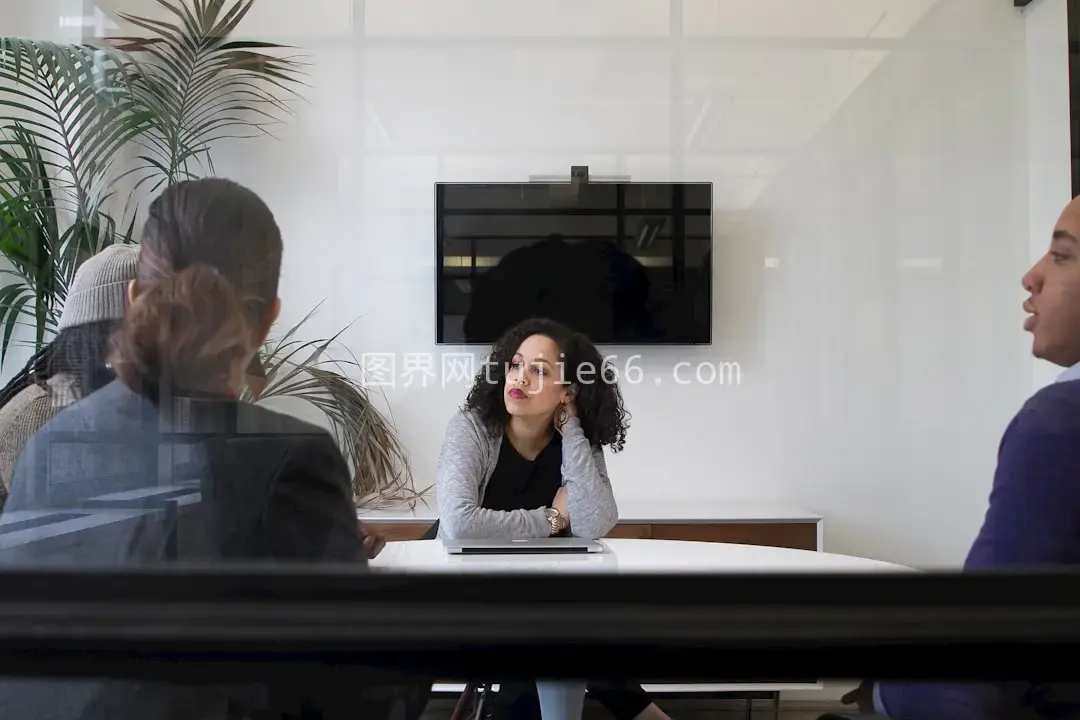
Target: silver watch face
{"x": 551, "y": 512}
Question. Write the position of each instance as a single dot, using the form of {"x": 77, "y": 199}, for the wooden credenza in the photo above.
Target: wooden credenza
{"x": 770, "y": 524}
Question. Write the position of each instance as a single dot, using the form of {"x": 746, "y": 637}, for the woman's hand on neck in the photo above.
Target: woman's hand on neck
{"x": 529, "y": 435}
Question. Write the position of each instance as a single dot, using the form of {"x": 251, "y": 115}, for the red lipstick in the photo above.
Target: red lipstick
{"x": 517, "y": 394}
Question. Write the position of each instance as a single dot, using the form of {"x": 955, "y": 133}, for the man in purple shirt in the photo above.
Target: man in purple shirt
{"x": 1034, "y": 514}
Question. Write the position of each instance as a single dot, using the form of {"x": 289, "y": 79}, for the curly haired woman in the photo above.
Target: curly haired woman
{"x": 524, "y": 458}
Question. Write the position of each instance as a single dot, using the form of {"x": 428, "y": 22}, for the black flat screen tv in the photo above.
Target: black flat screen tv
{"x": 625, "y": 263}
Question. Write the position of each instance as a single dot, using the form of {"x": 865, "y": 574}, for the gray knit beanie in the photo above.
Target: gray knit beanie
{"x": 99, "y": 290}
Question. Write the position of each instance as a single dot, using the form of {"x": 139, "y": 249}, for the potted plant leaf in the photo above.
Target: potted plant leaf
{"x": 200, "y": 86}
{"x": 306, "y": 370}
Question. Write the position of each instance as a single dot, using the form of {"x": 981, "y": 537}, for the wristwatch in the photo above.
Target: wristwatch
{"x": 556, "y": 520}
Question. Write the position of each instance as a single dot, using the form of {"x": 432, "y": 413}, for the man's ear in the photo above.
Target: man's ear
{"x": 132, "y": 292}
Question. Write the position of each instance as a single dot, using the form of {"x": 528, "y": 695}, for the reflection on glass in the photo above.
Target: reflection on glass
{"x": 158, "y": 462}
{"x": 622, "y": 263}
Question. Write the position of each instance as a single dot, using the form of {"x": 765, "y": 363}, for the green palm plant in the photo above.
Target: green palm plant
{"x": 64, "y": 118}
{"x": 28, "y": 233}
{"x": 69, "y": 114}
{"x": 304, "y": 370}
{"x": 200, "y": 86}
{"x": 70, "y": 117}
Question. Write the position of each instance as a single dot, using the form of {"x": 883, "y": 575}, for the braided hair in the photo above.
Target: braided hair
{"x": 80, "y": 351}
{"x": 32, "y": 373}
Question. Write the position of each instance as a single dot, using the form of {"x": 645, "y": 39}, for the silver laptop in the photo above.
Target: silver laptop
{"x": 530, "y": 546}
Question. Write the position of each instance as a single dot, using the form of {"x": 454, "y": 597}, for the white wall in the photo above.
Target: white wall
{"x": 40, "y": 19}
{"x": 904, "y": 225}
{"x": 1049, "y": 138}
{"x": 878, "y": 155}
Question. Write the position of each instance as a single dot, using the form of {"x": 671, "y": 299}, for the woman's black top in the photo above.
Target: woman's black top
{"x": 521, "y": 484}
{"x": 516, "y": 484}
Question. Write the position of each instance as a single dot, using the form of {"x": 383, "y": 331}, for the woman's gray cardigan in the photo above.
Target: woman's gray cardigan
{"x": 467, "y": 460}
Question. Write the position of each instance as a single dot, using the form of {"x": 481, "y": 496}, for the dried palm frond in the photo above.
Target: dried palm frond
{"x": 305, "y": 371}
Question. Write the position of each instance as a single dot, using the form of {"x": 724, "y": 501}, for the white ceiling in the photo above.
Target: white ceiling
{"x": 744, "y": 86}
{"x": 615, "y": 18}
{"x": 803, "y": 18}
{"x": 749, "y": 83}
{"x": 880, "y": 19}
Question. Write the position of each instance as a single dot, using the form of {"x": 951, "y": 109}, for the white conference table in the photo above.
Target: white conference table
{"x": 628, "y": 555}
{"x": 640, "y": 556}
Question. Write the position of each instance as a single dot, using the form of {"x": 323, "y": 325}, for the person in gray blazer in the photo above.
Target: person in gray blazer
{"x": 251, "y": 485}
{"x": 524, "y": 458}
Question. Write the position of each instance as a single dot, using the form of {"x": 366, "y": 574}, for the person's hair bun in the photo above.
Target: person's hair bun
{"x": 190, "y": 328}
{"x": 208, "y": 271}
